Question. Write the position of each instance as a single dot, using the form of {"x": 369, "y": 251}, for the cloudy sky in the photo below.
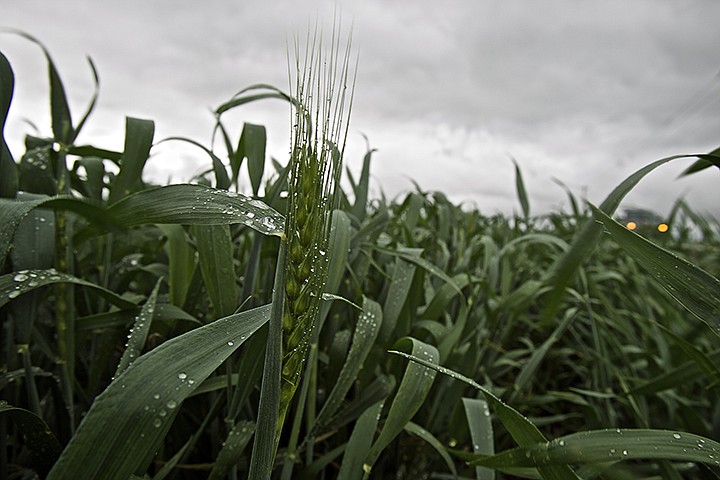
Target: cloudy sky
{"x": 447, "y": 92}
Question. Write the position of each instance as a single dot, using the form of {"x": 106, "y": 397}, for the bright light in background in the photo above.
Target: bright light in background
{"x": 663, "y": 227}
{"x": 631, "y": 225}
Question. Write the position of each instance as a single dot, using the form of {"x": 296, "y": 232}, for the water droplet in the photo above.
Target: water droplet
{"x": 171, "y": 404}
{"x": 230, "y": 344}
{"x": 14, "y": 294}
{"x": 162, "y": 413}
{"x": 156, "y": 396}
{"x": 625, "y": 452}
{"x": 258, "y": 204}
{"x": 157, "y": 422}
{"x": 676, "y": 436}
{"x": 182, "y": 375}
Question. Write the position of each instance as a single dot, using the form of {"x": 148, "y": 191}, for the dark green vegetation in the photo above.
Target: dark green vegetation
{"x": 135, "y": 321}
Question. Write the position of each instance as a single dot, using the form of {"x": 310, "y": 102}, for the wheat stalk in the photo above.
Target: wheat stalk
{"x": 321, "y": 83}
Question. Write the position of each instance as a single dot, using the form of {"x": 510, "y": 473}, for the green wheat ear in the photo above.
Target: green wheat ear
{"x": 322, "y": 111}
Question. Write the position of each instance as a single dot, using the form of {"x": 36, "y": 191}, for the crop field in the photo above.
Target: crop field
{"x": 263, "y": 321}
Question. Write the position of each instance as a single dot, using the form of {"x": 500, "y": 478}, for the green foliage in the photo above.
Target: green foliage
{"x": 145, "y": 328}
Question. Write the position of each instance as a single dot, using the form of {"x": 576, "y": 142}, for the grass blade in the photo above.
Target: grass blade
{"x": 683, "y": 374}
{"x": 12, "y": 213}
{"x": 232, "y": 449}
{"x": 523, "y": 431}
{"x": 181, "y": 259}
{"x": 521, "y": 191}
{"x": 138, "y": 141}
{"x": 400, "y": 284}
{"x": 241, "y": 98}
{"x": 265, "y": 444}
{"x": 44, "y": 447}
{"x": 419, "y": 431}
{"x": 8, "y": 170}
{"x": 414, "y": 387}
{"x": 353, "y": 463}
{"x": 481, "y": 433}
{"x": 118, "y": 431}
{"x": 215, "y": 252}
{"x": 564, "y": 269}
{"x": 18, "y": 283}
{"x": 196, "y": 205}
{"x": 252, "y": 146}
{"x": 690, "y": 286}
{"x": 138, "y": 332}
{"x": 366, "y": 330}
{"x": 361, "y": 189}
{"x": 601, "y": 446}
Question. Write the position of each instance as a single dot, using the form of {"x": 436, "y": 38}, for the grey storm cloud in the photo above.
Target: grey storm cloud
{"x": 448, "y": 92}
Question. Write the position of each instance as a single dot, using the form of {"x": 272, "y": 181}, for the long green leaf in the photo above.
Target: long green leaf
{"x": 689, "y": 285}
{"x": 138, "y": 332}
{"x": 18, "y": 283}
{"x": 132, "y": 416}
{"x": 481, "y": 432}
{"x": 181, "y": 260}
{"x": 266, "y": 440}
{"x": 39, "y": 439}
{"x": 410, "y": 256}
{"x": 523, "y": 431}
{"x": 681, "y": 375}
{"x": 353, "y": 463}
{"x": 232, "y": 450}
{"x": 222, "y": 181}
{"x": 419, "y": 431}
{"x": 400, "y": 284}
{"x": 34, "y": 248}
{"x": 241, "y": 98}
{"x": 521, "y": 191}
{"x": 8, "y": 170}
{"x": 93, "y": 99}
{"x": 366, "y": 330}
{"x": 564, "y": 269}
{"x": 215, "y": 251}
{"x": 59, "y": 108}
{"x": 414, "y": 387}
{"x": 196, "y": 205}
{"x": 252, "y": 146}
{"x": 359, "y": 209}
{"x": 601, "y": 446}
{"x": 12, "y": 213}
{"x": 138, "y": 141}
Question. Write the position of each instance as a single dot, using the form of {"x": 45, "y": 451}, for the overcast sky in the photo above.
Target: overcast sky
{"x": 447, "y": 92}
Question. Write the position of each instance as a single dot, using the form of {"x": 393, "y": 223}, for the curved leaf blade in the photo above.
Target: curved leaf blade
{"x": 414, "y": 387}
{"x": 132, "y": 416}
{"x": 196, "y": 205}
{"x": 689, "y": 285}
{"x": 8, "y": 170}
{"x": 601, "y": 446}
{"x": 18, "y": 283}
